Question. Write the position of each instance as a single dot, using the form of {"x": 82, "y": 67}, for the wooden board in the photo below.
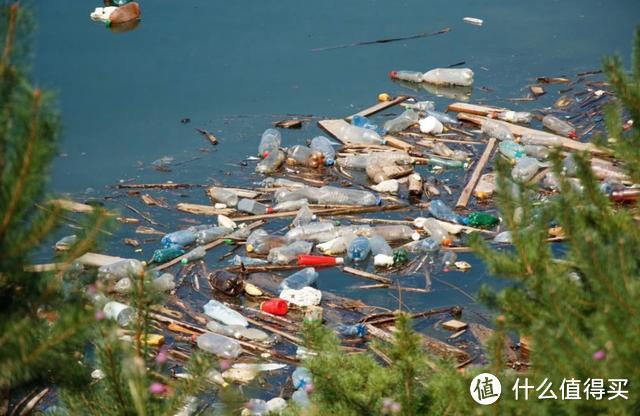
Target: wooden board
{"x": 480, "y": 110}
{"x": 520, "y": 131}
{"x": 454, "y": 325}
{"x": 333, "y": 127}
{"x": 381, "y": 106}
{"x": 466, "y": 192}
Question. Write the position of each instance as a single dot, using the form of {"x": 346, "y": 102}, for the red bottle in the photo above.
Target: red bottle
{"x": 318, "y": 261}
{"x": 275, "y": 307}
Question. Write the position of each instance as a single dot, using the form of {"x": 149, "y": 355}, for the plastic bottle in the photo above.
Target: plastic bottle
{"x": 290, "y": 205}
{"x": 121, "y": 269}
{"x": 303, "y": 217}
{"x": 381, "y": 251}
{"x": 537, "y": 151}
{"x": 504, "y": 237}
{"x": 301, "y": 377}
{"x": 303, "y": 156}
{"x": 260, "y": 242}
{"x": 515, "y": 116}
{"x": 435, "y": 160}
{"x": 275, "y": 307}
{"x": 256, "y": 407}
{"x": 164, "y": 283}
{"x": 287, "y": 254}
{"x": 411, "y": 76}
{"x": 123, "y": 286}
{"x": 307, "y": 296}
{"x": 403, "y": 121}
{"x": 481, "y": 220}
{"x": 282, "y": 183}
{"x": 272, "y": 162}
{"x": 431, "y": 186}
{"x": 541, "y": 140}
{"x": 180, "y": 238}
{"x": 332, "y": 195}
{"x": 286, "y": 195}
{"x": 317, "y": 231}
{"x": 119, "y": 312}
{"x": 390, "y": 186}
{"x": 495, "y": 129}
{"x": 323, "y": 145}
{"x": 395, "y": 232}
{"x": 430, "y": 125}
{"x": 359, "y": 249}
{"x": 359, "y": 135}
{"x": 558, "y": 126}
{"x": 525, "y": 168}
{"x": 123, "y": 14}
{"x": 247, "y": 261}
{"x": 355, "y": 330}
{"x": 319, "y": 261}
{"x": 276, "y": 405}
{"x": 305, "y": 277}
{"x": 253, "y": 207}
{"x": 165, "y": 254}
{"x": 448, "y": 260}
{"x": 511, "y": 149}
{"x": 442, "y": 117}
{"x": 301, "y": 398}
{"x": 337, "y": 245}
{"x": 436, "y": 231}
{"x": 362, "y": 121}
{"x": 442, "y": 149}
{"x": 224, "y": 196}
{"x": 219, "y": 345}
{"x": 66, "y": 242}
{"x": 427, "y": 245}
{"x": 486, "y": 186}
{"x": 449, "y": 76}
{"x": 224, "y": 314}
{"x": 441, "y": 211}
{"x": 210, "y": 234}
{"x": 226, "y": 330}
{"x": 197, "y": 253}
{"x": 270, "y": 140}
{"x": 358, "y": 162}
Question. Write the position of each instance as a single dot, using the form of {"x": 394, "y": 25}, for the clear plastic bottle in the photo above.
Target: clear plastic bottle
{"x": 438, "y": 161}
{"x": 504, "y": 237}
{"x": 514, "y": 116}
{"x": 121, "y": 269}
{"x": 442, "y": 117}
{"x": 301, "y": 398}
{"x": 224, "y": 196}
{"x": 323, "y": 145}
{"x": 303, "y": 217}
{"x": 359, "y": 135}
{"x": 381, "y": 251}
{"x": 272, "y": 162}
{"x": 301, "y": 377}
{"x": 303, "y": 156}
{"x": 281, "y": 183}
{"x": 180, "y": 238}
{"x": 270, "y": 140}
{"x": 247, "y": 261}
{"x": 390, "y": 186}
{"x": 66, "y": 242}
{"x": 219, "y": 345}
{"x": 317, "y": 231}
{"x": 197, "y": 253}
{"x": 426, "y": 245}
{"x": 338, "y": 245}
{"x": 541, "y": 140}
{"x": 525, "y": 168}
{"x": 287, "y": 254}
{"x": 123, "y": 286}
{"x": 422, "y": 106}
{"x": 442, "y": 149}
{"x": 364, "y": 122}
{"x": 511, "y": 149}
{"x": 537, "y": 151}
{"x": 395, "y": 232}
{"x": 359, "y": 249}
{"x": 436, "y": 231}
{"x": 357, "y": 162}
{"x": 495, "y": 129}
{"x": 286, "y": 195}
{"x": 356, "y": 330}
{"x": 257, "y": 407}
{"x": 411, "y": 76}
{"x": 486, "y": 186}
{"x": 119, "y": 312}
{"x": 430, "y": 125}
{"x": 212, "y": 234}
{"x": 164, "y": 283}
{"x": 224, "y": 314}
{"x": 332, "y": 195}
{"x": 226, "y": 330}
{"x": 260, "y": 242}
{"x": 253, "y": 207}
{"x": 291, "y": 205}
{"x": 441, "y": 211}
{"x": 449, "y": 76}
{"x": 558, "y": 126}
{"x": 305, "y": 277}
{"x": 403, "y": 121}
{"x": 448, "y": 260}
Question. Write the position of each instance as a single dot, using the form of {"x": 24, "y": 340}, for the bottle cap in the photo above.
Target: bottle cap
{"x": 270, "y": 210}
{"x": 339, "y": 260}
{"x": 393, "y": 74}
{"x": 329, "y": 162}
{"x": 249, "y": 248}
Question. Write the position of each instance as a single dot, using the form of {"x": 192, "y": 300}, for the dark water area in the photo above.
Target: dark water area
{"x": 235, "y": 67}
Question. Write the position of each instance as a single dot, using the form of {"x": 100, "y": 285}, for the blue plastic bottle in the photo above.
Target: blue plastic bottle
{"x": 359, "y": 249}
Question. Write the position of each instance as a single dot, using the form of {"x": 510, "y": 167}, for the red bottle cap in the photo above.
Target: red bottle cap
{"x": 311, "y": 260}
{"x": 275, "y": 307}
{"x": 573, "y": 135}
{"x": 269, "y": 210}
{"x": 393, "y": 74}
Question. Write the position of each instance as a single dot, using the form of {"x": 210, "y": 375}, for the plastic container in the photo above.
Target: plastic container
{"x": 303, "y": 156}
{"x": 212, "y": 234}
{"x": 359, "y": 135}
{"x": 272, "y": 162}
{"x": 224, "y": 314}
{"x": 486, "y": 186}
{"x": 359, "y": 249}
{"x": 260, "y": 242}
{"x": 282, "y": 183}
{"x": 449, "y": 76}
{"x": 287, "y": 254}
{"x": 123, "y": 285}
{"x": 390, "y": 186}
{"x": 317, "y": 231}
{"x": 504, "y": 237}
{"x": 525, "y": 168}
{"x": 165, "y": 254}
{"x": 219, "y": 345}
{"x": 66, "y": 242}
{"x": 197, "y": 253}
{"x": 558, "y": 126}
{"x": 121, "y": 269}
{"x": 431, "y": 125}
{"x": 301, "y": 377}
{"x": 537, "y": 151}
{"x": 165, "y": 283}
{"x": 514, "y": 116}
{"x": 247, "y": 261}
{"x": 442, "y": 117}
{"x": 357, "y": 162}
{"x": 395, "y": 232}
{"x": 422, "y": 106}
{"x": 119, "y": 312}
{"x": 323, "y": 145}
{"x": 441, "y": 211}
{"x": 123, "y": 14}
{"x": 226, "y": 330}
{"x": 436, "y": 231}
{"x": 305, "y": 277}
{"x": 427, "y": 245}
{"x": 356, "y": 330}
{"x": 179, "y": 238}
{"x": 362, "y": 121}
{"x": 301, "y": 398}
{"x": 307, "y": 296}
{"x": 495, "y": 129}
{"x": 331, "y": 195}
{"x": 270, "y": 140}
{"x": 338, "y": 245}
{"x": 411, "y": 76}
{"x": 286, "y": 195}
{"x": 481, "y": 220}
{"x": 224, "y": 196}
{"x": 403, "y": 121}
{"x": 253, "y": 207}
{"x": 448, "y": 260}
{"x": 511, "y": 149}
{"x": 435, "y": 160}
{"x": 541, "y": 140}
{"x": 290, "y": 205}
{"x": 275, "y": 307}
{"x": 381, "y": 251}
{"x": 319, "y": 261}
{"x": 303, "y": 217}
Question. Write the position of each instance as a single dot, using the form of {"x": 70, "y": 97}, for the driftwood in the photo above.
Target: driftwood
{"x": 72, "y": 206}
{"x": 168, "y": 185}
{"x": 367, "y": 275}
{"x": 466, "y": 192}
{"x": 381, "y": 106}
{"x": 209, "y": 136}
{"x": 198, "y": 209}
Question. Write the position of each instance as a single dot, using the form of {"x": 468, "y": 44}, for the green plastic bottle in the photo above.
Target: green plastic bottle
{"x": 165, "y": 254}
{"x": 481, "y": 220}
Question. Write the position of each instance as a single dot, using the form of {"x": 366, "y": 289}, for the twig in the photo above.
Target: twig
{"x": 466, "y": 192}
{"x": 367, "y": 275}
{"x": 147, "y": 218}
{"x": 386, "y": 40}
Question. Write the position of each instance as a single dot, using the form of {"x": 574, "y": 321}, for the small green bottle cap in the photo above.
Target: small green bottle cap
{"x": 184, "y": 261}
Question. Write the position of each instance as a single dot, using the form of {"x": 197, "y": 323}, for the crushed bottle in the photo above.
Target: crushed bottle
{"x": 287, "y": 254}
{"x": 403, "y": 121}
{"x": 441, "y": 211}
{"x": 121, "y": 269}
{"x": 303, "y": 217}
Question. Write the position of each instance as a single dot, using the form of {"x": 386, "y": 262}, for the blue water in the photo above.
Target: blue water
{"x": 235, "y": 67}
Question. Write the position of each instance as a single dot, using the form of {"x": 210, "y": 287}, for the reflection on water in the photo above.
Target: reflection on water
{"x": 455, "y": 93}
{"x": 129, "y": 26}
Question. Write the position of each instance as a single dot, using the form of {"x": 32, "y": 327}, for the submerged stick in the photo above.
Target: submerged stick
{"x": 386, "y": 40}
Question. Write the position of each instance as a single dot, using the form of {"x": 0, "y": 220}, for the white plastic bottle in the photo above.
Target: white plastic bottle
{"x": 224, "y": 314}
{"x": 219, "y": 345}
{"x": 449, "y": 76}
{"x": 358, "y": 135}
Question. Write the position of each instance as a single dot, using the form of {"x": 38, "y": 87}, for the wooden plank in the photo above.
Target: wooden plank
{"x": 521, "y": 131}
{"x": 381, "y": 106}
{"x": 72, "y": 206}
{"x": 199, "y": 209}
{"x": 466, "y": 192}
{"x": 97, "y": 260}
{"x": 333, "y": 127}
{"x": 480, "y": 110}
{"x": 454, "y": 325}
{"x": 367, "y": 275}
